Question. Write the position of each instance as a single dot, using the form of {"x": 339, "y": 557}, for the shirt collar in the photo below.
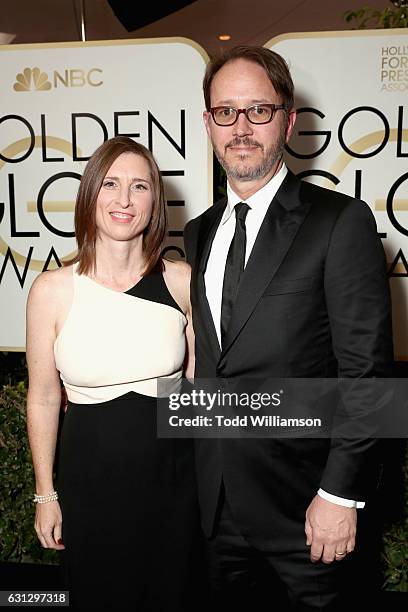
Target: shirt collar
{"x": 259, "y": 201}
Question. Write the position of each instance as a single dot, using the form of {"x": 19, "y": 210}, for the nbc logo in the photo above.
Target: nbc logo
{"x": 31, "y": 79}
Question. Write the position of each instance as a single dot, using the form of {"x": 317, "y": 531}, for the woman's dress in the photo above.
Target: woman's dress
{"x": 128, "y": 498}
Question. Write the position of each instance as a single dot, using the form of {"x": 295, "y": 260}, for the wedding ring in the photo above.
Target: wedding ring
{"x": 340, "y": 554}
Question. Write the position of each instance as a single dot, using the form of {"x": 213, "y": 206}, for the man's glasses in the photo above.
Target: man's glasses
{"x": 258, "y": 113}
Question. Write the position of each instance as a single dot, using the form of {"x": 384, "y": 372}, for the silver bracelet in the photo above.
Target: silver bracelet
{"x": 43, "y": 499}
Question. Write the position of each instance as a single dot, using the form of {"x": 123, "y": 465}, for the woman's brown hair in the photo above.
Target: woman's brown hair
{"x": 85, "y": 208}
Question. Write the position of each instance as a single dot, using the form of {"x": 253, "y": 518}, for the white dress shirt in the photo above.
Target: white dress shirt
{"x": 214, "y": 273}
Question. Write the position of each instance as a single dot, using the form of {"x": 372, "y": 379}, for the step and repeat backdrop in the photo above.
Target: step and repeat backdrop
{"x": 60, "y": 101}
{"x": 352, "y": 133}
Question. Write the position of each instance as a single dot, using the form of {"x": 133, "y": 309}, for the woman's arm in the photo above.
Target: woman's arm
{"x": 189, "y": 364}
{"x": 178, "y": 277}
{"x": 43, "y": 401}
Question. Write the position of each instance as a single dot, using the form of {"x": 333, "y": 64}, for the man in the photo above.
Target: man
{"x": 288, "y": 280}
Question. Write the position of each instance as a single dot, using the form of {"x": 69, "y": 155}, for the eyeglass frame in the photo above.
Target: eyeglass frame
{"x": 274, "y": 108}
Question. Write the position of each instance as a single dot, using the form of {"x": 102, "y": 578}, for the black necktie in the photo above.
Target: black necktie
{"x": 234, "y": 266}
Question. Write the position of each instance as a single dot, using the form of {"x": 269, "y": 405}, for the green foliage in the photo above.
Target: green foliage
{"x": 395, "y": 546}
{"x": 13, "y": 368}
{"x": 395, "y": 558}
{"x": 18, "y": 539}
{"x": 368, "y": 17}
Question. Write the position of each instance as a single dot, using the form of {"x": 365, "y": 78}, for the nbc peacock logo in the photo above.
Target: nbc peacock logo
{"x": 32, "y": 79}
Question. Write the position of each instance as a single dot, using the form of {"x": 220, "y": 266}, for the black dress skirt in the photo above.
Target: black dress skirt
{"x": 129, "y": 506}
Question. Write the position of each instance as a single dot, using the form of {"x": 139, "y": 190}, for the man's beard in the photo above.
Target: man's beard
{"x": 241, "y": 172}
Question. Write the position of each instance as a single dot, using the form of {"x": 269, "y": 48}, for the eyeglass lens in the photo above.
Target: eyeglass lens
{"x": 255, "y": 114}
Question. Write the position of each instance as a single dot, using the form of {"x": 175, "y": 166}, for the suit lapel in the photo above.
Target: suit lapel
{"x": 208, "y": 228}
{"x": 277, "y": 232}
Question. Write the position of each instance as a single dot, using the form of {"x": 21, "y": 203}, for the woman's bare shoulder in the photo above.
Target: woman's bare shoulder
{"x": 177, "y": 275}
{"x": 51, "y": 284}
{"x": 179, "y": 271}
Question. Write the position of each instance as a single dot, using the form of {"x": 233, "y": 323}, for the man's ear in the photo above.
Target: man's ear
{"x": 206, "y": 118}
{"x": 290, "y": 124}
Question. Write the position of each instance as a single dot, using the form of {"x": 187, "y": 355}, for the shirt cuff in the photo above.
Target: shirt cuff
{"x": 341, "y": 501}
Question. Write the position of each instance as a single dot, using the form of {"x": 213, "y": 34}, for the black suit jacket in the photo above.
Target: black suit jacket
{"x": 313, "y": 302}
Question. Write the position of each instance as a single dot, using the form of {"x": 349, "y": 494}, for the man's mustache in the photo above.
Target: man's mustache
{"x": 243, "y": 142}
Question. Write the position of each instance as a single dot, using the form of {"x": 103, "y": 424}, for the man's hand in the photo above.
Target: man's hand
{"x": 330, "y": 530}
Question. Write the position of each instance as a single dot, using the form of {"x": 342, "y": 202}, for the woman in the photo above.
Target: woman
{"x": 111, "y": 325}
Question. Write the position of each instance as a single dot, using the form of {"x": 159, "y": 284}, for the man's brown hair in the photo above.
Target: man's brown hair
{"x": 274, "y": 65}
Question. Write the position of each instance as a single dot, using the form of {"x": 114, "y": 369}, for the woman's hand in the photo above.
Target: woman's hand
{"x": 48, "y": 525}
